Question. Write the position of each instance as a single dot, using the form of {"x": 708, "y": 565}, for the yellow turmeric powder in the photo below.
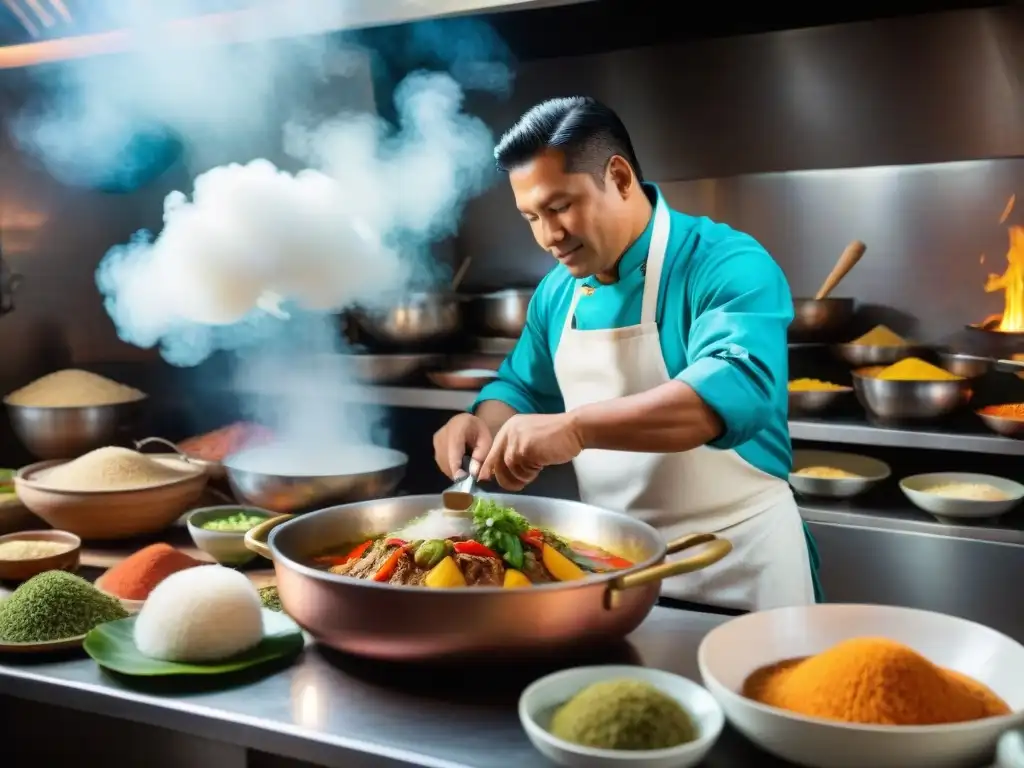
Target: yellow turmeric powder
{"x": 881, "y": 336}
{"x": 874, "y": 681}
{"x": 915, "y": 369}
{"x": 814, "y": 385}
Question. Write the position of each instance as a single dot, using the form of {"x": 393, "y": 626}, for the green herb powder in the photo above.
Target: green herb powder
{"x": 270, "y": 599}
{"x": 55, "y": 605}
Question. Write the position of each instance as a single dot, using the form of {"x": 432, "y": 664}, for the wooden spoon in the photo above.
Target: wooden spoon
{"x": 846, "y": 262}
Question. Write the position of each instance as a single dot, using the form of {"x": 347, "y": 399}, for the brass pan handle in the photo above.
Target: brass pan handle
{"x": 710, "y": 555}
{"x": 256, "y": 537}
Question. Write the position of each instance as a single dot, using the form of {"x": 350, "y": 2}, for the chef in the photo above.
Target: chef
{"x": 653, "y": 358}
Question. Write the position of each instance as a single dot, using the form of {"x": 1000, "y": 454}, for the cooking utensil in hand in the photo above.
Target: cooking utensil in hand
{"x": 846, "y": 262}
{"x": 462, "y": 494}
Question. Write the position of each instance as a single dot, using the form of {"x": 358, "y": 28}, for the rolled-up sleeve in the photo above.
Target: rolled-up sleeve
{"x": 526, "y": 379}
{"x": 741, "y": 307}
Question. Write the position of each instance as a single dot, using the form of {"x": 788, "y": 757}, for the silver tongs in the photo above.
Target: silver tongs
{"x": 460, "y": 497}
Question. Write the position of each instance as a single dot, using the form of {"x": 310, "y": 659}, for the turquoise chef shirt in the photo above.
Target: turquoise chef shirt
{"x": 723, "y": 309}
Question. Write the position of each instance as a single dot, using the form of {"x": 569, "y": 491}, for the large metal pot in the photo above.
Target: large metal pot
{"x": 282, "y": 492}
{"x": 820, "y": 320}
{"x": 418, "y": 623}
{"x": 414, "y": 319}
{"x": 502, "y": 314}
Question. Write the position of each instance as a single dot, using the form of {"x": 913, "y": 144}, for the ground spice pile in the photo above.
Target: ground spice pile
{"x": 110, "y": 469}
{"x": 1013, "y": 411}
{"x": 136, "y": 576}
{"x": 916, "y": 369}
{"x": 55, "y": 605}
{"x": 881, "y": 336}
{"x": 873, "y": 681}
{"x": 73, "y": 388}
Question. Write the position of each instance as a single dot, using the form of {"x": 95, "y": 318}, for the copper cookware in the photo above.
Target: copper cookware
{"x": 422, "y": 624}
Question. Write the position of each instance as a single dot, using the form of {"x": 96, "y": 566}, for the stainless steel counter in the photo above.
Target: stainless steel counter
{"x": 338, "y": 711}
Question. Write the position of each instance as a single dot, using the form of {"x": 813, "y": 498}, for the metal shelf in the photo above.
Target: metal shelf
{"x": 867, "y": 434}
{"x": 844, "y": 432}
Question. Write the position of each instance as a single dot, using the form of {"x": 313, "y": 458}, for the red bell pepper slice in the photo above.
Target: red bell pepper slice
{"x": 357, "y": 552}
{"x": 534, "y": 537}
{"x": 387, "y": 568}
{"x": 393, "y": 542}
{"x": 613, "y": 561}
{"x": 474, "y": 548}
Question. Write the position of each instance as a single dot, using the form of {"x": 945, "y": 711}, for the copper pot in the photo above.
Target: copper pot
{"x": 422, "y": 624}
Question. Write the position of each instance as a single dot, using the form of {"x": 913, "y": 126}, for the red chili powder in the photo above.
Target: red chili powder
{"x": 137, "y": 576}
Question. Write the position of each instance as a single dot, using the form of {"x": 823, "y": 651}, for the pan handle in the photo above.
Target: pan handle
{"x": 256, "y": 537}
{"x": 710, "y": 555}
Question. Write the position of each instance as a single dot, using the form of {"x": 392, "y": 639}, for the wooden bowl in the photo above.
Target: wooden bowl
{"x": 103, "y": 515}
{"x": 23, "y": 570}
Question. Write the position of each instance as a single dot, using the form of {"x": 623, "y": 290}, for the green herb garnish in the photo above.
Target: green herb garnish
{"x": 499, "y": 528}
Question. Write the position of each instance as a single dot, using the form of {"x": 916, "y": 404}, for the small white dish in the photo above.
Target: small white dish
{"x": 948, "y": 508}
{"x": 226, "y": 547}
{"x": 729, "y": 653}
{"x": 540, "y": 700}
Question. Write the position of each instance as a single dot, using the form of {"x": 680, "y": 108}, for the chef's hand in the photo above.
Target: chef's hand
{"x": 451, "y": 442}
{"x": 528, "y": 443}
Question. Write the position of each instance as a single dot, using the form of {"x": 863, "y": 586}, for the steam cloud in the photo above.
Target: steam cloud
{"x": 353, "y": 224}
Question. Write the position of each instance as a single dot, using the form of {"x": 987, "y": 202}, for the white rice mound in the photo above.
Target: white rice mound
{"x": 203, "y": 614}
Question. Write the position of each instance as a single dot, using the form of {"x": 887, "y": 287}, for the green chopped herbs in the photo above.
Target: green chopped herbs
{"x": 270, "y": 599}
{"x": 500, "y": 529}
{"x": 238, "y": 522}
{"x": 55, "y": 605}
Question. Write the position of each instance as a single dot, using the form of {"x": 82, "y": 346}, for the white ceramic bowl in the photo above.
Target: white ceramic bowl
{"x": 539, "y": 701}
{"x": 732, "y": 651}
{"x": 870, "y": 472}
{"x": 226, "y": 547}
{"x": 1010, "y": 753}
{"x": 915, "y": 488}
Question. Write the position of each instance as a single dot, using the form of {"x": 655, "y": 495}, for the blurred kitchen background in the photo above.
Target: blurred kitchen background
{"x": 807, "y": 130}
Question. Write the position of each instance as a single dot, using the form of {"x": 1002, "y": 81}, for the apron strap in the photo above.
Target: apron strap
{"x": 571, "y": 314}
{"x": 655, "y": 262}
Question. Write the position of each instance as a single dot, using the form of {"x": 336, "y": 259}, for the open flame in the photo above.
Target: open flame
{"x": 1011, "y": 282}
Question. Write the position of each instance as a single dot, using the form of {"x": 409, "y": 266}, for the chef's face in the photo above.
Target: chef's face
{"x": 583, "y": 224}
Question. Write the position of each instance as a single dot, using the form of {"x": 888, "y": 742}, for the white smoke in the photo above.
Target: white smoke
{"x": 253, "y": 233}
{"x": 324, "y": 238}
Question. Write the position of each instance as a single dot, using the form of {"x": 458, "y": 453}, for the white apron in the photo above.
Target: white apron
{"x": 702, "y": 490}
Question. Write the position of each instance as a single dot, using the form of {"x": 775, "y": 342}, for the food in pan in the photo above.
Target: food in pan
{"x": 492, "y": 546}
{"x": 873, "y": 681}
{"x": 815, "y": 385}
{"x": 221, "y": 443}
{"x": 623, "y": 714}
{"x": 827, "y": 473}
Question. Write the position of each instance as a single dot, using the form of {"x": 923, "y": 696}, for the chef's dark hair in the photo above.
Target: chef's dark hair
{"x": 587, "y": 132}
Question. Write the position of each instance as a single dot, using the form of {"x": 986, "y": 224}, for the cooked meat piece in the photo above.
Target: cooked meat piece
{"x": 534, "y": 570}
{"x": 407, "y": 572}
{"x": 371, "y": 562}
{"x": 481, "y": 571}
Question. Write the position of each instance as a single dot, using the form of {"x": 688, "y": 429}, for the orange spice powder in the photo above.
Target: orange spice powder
{"x": 137, "y": 575}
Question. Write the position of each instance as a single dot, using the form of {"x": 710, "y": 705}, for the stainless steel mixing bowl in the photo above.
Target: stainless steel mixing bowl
{"x": 502, "y": 313}
{"x": 863, "y": 355}
{"x": 418, "y": 623}
{"x": 908, "y": 400}
{"x": 387, "y": 369}
{"x": 67, "y": 433}
{"x": 815, "y": 401}
{"x": 292, "y": 493}
{"x": 962, "y": 364}
{"x": 415, "y": 319}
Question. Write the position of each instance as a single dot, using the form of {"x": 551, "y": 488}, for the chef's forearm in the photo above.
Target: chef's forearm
{"x": 494, "y": 414}
{"x": 667, "y": 419}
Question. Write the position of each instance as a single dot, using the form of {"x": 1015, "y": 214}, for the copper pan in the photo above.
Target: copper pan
{"x": 422, "y": 624}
